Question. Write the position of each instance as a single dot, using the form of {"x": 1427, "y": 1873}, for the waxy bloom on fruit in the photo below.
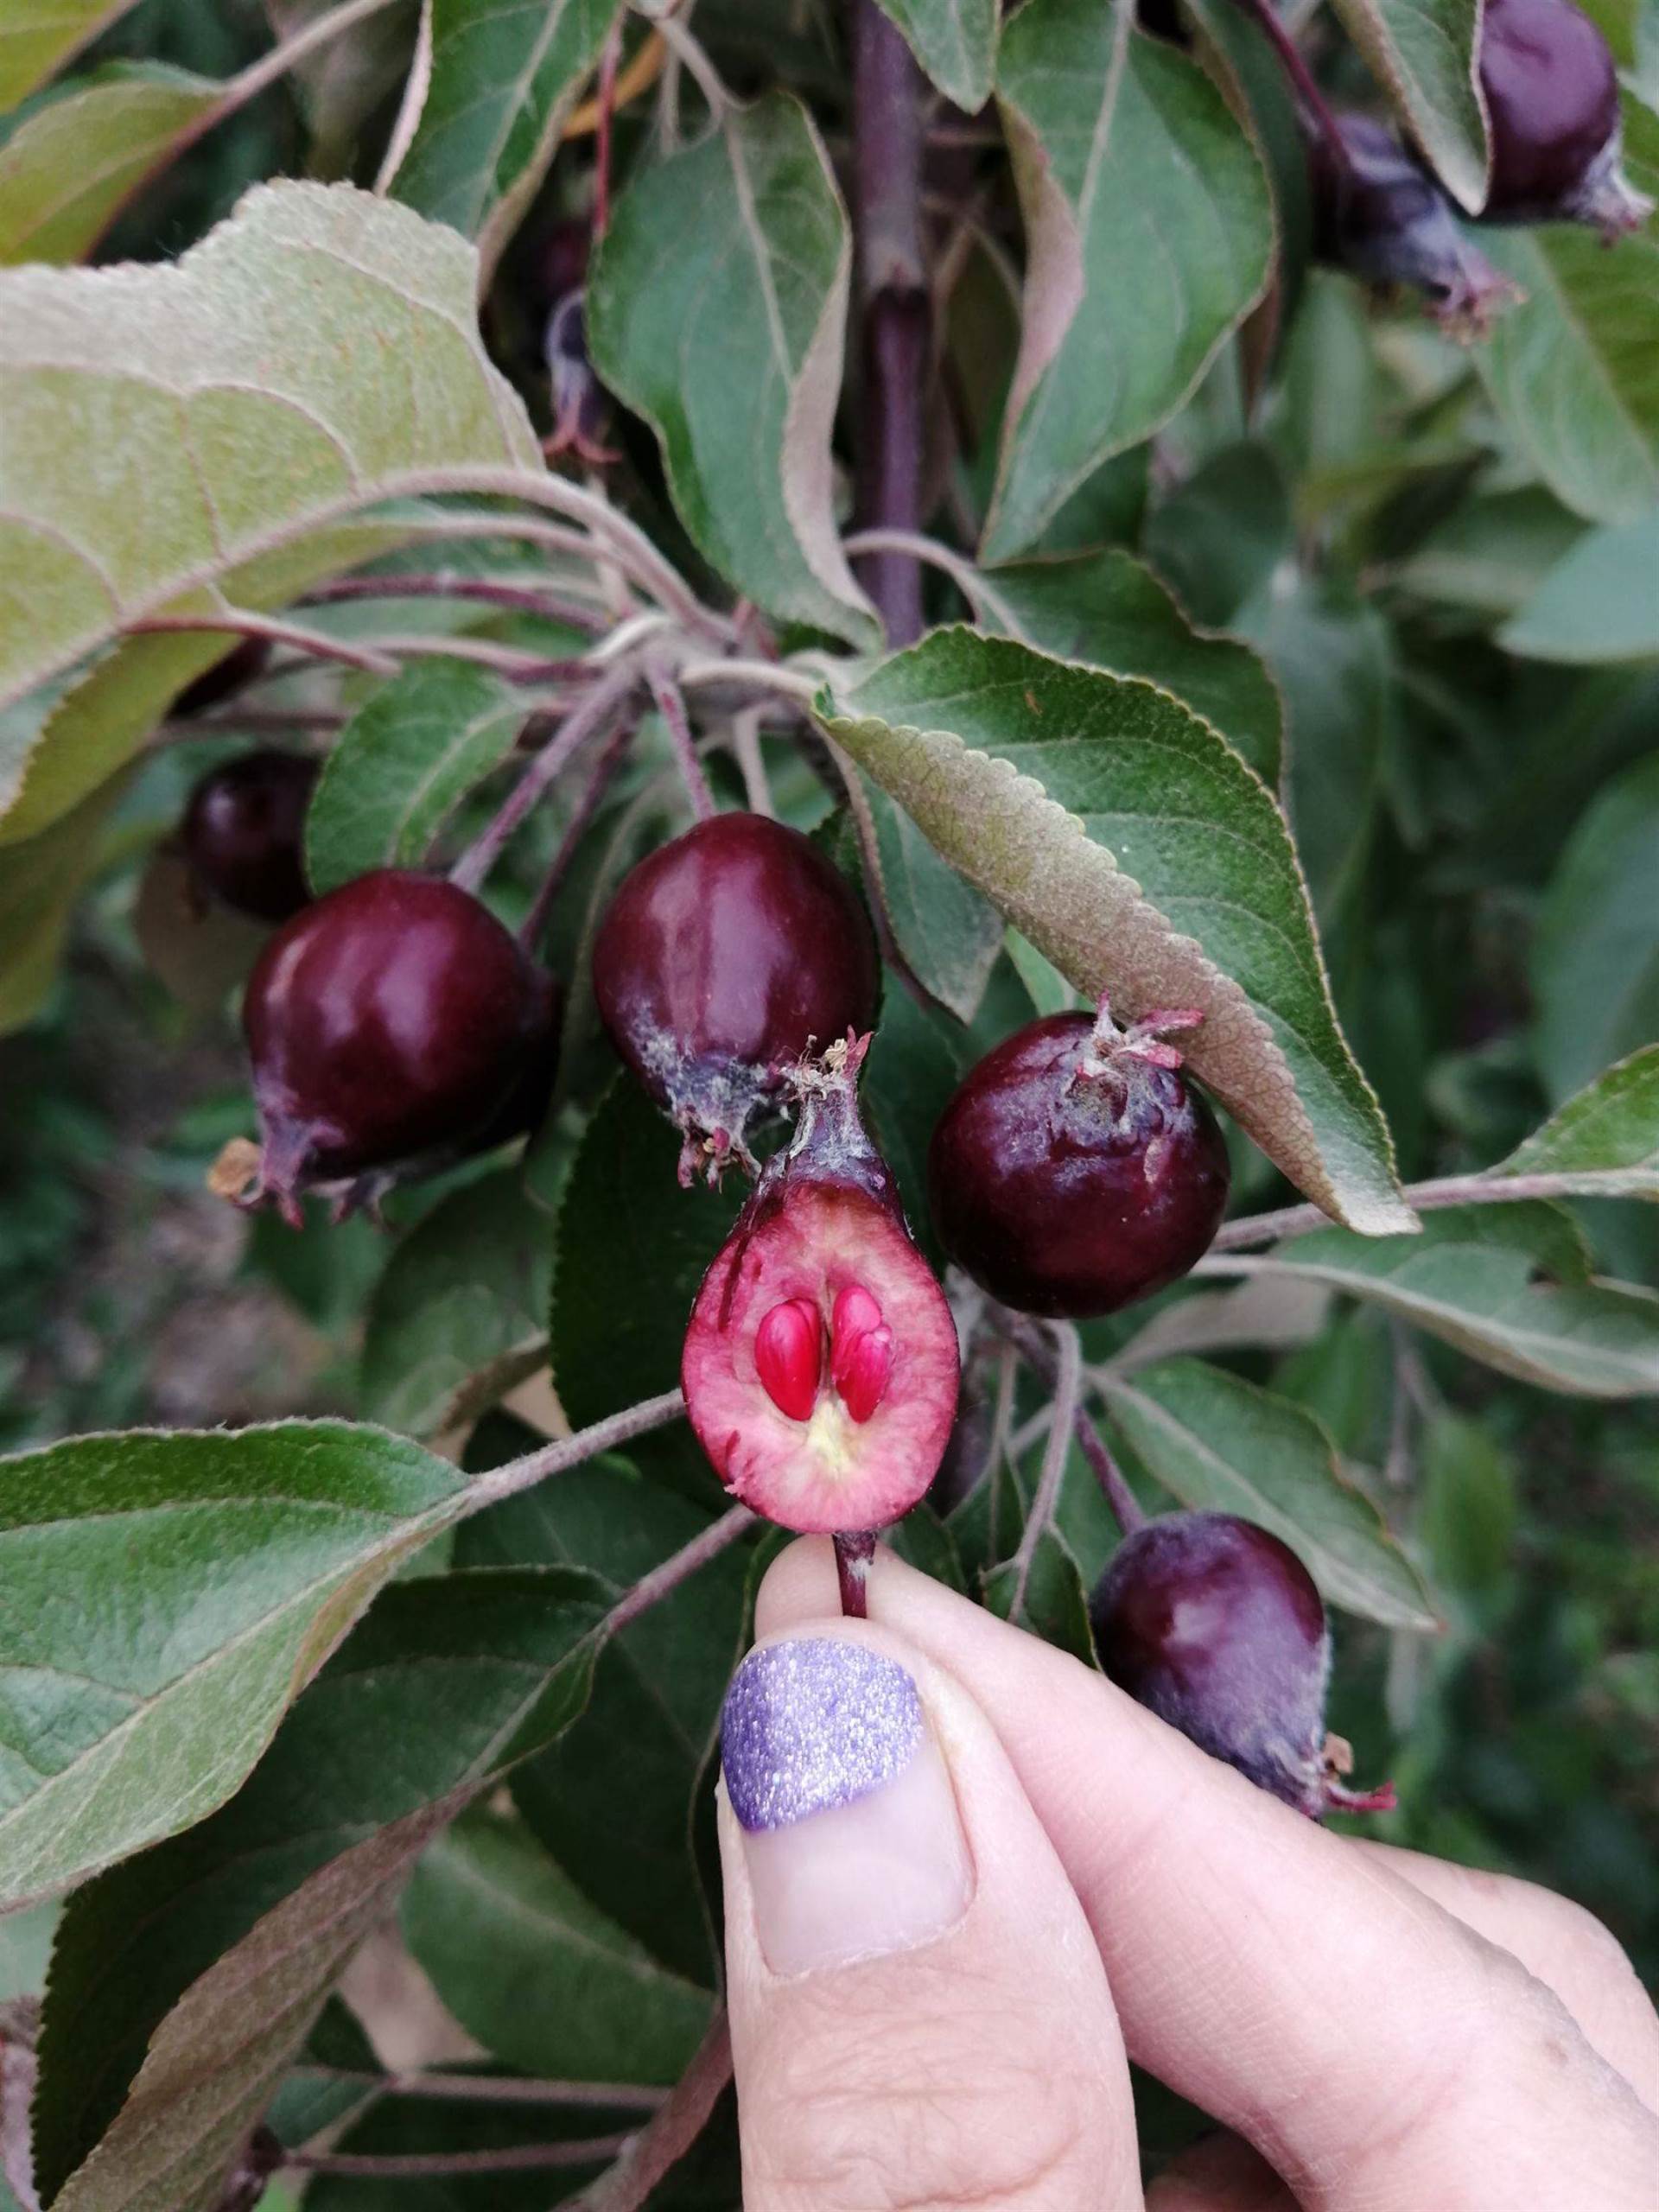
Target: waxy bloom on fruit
{"x": 1214, "y": 1625}
{"x": 821, "y": 1362}
{"x": 1552, "y": 101}
{"x": 721, "y": 960}
{"x": 1076, "y": 1168}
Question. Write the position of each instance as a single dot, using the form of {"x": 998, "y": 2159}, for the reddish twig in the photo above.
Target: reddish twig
{"x": 586, "y": 721}
{"x": 515, "y": 598}
{"x": 660, "y": 2145}
{"x": 670, "y": 704}
{"x": 611, "y": 757}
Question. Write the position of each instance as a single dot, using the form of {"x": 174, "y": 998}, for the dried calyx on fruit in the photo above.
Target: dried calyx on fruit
{"x": 1378, "y": 213}
{"x": 721, "y": 959}
{"x": 580, "y": 408}
{"x": 393, "y": 1027}
{"x": 1076, "y": 1167}
{"x": 1214, "y": 1625}
{"x": 1552, "y": 99}
{"x": 821, "y": 1362}
{"x": 244, "y": 833}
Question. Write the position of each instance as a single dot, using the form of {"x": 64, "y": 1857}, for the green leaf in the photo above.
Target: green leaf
{"x": 1054, "y": 1605}
{"x": 654, "y": 1712}
{"x": 1424, "y": 52}
{"x": 1332, "y": 653}
{"x": 1595, "y": 952}
{"x": 1138, "y": 852}
{"x": 178, "y": 438}
{"x": 537, "y": 1971}
{"x": 1108, "y": 610}
{"x": 459, "y": 1315}
{"x": 449, "y": 2130}
{"x": 716, "y": 308}
{"x": 946, "y": 931}
{"x": 242, "y": 1560}
{"x": 1605, "y": 1139}
{"x": 38, "y": 36}
{"x": 213, "y": 1952}
{"x": 1598, "y": 603}
{"x": 631, "y": 1251}
{"x": 40, "y": 882}
{"x": 55, "y": 202}
{"x": 1571, "y": 369}
{"x": 1507, "y": 1283}
{"x": 402, "y": 765}
{"x": 955, "y": 40}
{"x": 502, "y": 78}
{"x": 1493, "y": 552}
{"x": 1129, "y": 292}
{"x": 1222, "y": 1446}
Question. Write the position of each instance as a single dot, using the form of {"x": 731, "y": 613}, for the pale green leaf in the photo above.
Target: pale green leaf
{"x": 955, "y": 40}
{"x": 1424, "y": 52}
{"x": 502, "y": 78}
{"x": 460, "y": 1313}
{"x": 1139, "y": 854}
{"x": 402, "y": 765}
{"x": 241, "y": 1559}
{"x": 532, "y": 1968}
{"x": 40, "y": 882}
{"x": 38, "y": 36}
{"x": 1108, "y": 610}
{"x": 1605, "y": 1141}
{"x": 1595, "y": 951}
{"x": 1222, "y": 1446}
{"x": 1503, "y": 1283}
{"x": 66, "y": 172}
{"x": 173, "y": 437}
{"x": 1130, "y": 291}
{"x": 716, "y": 308}
{"x": 1599, "y": 603}
{"x": 1573, "y": 371}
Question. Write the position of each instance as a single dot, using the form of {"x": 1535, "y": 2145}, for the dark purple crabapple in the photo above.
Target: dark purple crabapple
{"x": 1076, "y": 1168}
{"x": 393, "y": 1024}
{"x": 1214, "y": 1625}
{"x": 1552, "y": 99}
{"x": 244, "y": 833}
{"x": 821, "y": 1362}
{"x": 722, "y": 958}
{"x": 1380, "y": 215}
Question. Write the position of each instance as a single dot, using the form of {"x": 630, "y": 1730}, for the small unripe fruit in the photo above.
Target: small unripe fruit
{"x": 1552, "y": 99}
{"x": 1214, "y": 1625}
{"x": 723, "y": 957}
{"x": 1378, "y": 213}
{"x": 1076, "y": 1168}
{"x": 821, "y": 1362}
{"x": 394, "y": 1019}
{"x": 244, "y": 833}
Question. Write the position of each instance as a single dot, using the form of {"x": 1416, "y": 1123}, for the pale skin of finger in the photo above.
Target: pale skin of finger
{"x": 1382, "y": 2055}
{"x": 984, "y": 2066}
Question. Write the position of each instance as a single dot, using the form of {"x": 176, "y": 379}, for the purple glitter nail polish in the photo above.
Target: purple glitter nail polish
{"x": 813, "y": 1724}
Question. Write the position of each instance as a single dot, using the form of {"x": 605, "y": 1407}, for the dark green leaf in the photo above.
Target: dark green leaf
{"x": 955, "y": 40}
{"x": 1424, "y": 52}
{"x": 1595, "y": 955}
{"x": 1598, "y": 603}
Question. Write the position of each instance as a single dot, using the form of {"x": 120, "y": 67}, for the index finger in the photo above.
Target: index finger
{"x": 1372, "y": 2047}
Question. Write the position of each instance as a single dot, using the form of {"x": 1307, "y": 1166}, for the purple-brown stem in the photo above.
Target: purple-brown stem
{"x": 671, "y": 705}
{"x": 606, "y": 700}
{"x": 665, "y": 2141}
{"x": 651, "y": 1588}
{"x": 570, "y": 1451}
{"x": 515, "y": 598}
{"x": 612, "y": 754}
{"x": 1314, "y": 106}
{"x": 490, "y": 2088}
{"x": 1127, "y": 1510}
{"x": 521, "y": 2158}
{"x": 1488, "y": 1188}
{"x": 889, "y": 139}
{"x": 1065, "y": 1376}
{"x": 855, "y": 1550}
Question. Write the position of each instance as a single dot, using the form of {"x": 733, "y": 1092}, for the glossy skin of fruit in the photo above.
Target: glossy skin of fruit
{"x": 1075, "y": 1170}
{"x": 1379, "y": 214}
{"x": 393, "y": 1019}
{"x": 821, "y": 1364}
{"x": 1214, "y": 1625}
{"x": 244, "y": 833}
{"x": 1552, "y": 97}
{"x": 722, "y": 958}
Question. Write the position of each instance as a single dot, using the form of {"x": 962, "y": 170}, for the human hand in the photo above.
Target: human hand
{"x": 971, "y": 1880}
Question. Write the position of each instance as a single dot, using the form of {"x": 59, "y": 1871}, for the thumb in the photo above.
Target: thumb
{"x": 919, "y": 2015}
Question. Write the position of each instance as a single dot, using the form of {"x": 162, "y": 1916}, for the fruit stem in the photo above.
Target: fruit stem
{"x": 889, "y": 141}
{"x": 855, "y": 1550}
{"x": 651, "y": 1588}
{"x": 1127, "y": 1510}
{"x": 595, "y": 713}
{"x": 1291, "y": 60}
{"x": 1066, "y": 1368}
{"x": 606, "y": 105}
{"x": 671, "y": 705}
{"x": 611, "y": 757}
{"x": 516, "y": 598}
{"x": 1488, "y": 1188}
{"x": 667, "y": 2137}
{"x": 519, "y": 2158}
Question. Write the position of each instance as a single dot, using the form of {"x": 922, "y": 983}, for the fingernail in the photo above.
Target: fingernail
{"x": 853, "y": 1842}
